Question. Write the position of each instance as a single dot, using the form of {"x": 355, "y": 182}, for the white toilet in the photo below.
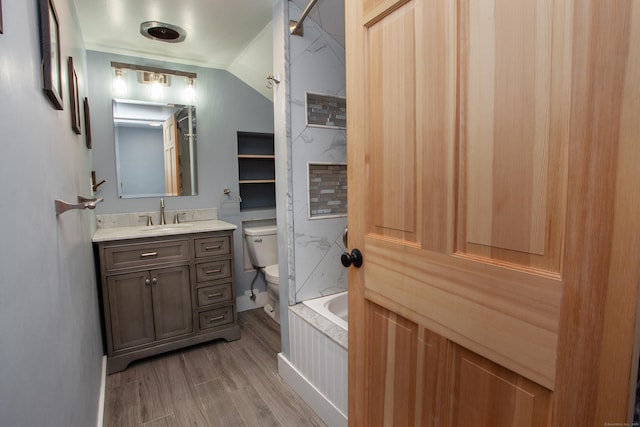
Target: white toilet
{"x": 262, "y": 246}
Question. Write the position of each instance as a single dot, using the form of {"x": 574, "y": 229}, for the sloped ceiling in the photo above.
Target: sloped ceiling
{"x": 233, "y": 35}
{"x": 218, "y": 32}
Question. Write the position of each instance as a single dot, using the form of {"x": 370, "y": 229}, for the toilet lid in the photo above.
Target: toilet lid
{"x": 271, "y": 272}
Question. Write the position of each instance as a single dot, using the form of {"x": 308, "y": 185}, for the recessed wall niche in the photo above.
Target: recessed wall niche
{"x": 326, "y": 111}
{"x": 327, "y": 190}
{"x": 256, "y": 170}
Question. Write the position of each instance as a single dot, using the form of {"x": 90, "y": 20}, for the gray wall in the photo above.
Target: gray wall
{"x": 50, "y": 345}
{"x": 225, "y": 105}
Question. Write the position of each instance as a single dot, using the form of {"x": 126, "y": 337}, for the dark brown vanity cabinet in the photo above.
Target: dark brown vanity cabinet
{"x": 164, "y": 293}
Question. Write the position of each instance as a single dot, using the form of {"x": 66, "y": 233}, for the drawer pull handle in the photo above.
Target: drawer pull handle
{"x": 148, "y": 254}
{"x": 217, "y": 271}
{"x": 213, "y": 319}
{"x": 210, "y": 248}
{"x": 217, "y": 294}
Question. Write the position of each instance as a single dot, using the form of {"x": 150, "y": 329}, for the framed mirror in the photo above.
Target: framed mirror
{"x": 155, "y": 147}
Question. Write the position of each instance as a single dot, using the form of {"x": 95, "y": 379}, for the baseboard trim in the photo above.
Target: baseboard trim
{"x": 331, "y": 415}
{"x": 103, "y": 391}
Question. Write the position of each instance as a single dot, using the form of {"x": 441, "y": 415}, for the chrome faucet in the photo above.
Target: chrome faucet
{"x": 162, "y": 221}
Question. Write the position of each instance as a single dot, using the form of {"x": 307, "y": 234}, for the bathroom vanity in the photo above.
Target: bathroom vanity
{"x": 165, "y": 287}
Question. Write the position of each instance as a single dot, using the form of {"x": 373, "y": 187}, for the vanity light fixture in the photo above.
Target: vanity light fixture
{"x": 156, "y": 77}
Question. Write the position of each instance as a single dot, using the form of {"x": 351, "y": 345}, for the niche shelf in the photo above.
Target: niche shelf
{"x": 256, "y": 170}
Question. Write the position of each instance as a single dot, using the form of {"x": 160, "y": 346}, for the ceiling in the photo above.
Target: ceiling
{"x": 232, "y": 35}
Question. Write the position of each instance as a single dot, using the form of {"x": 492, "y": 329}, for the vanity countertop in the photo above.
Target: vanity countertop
{"x": 105, "y": 234}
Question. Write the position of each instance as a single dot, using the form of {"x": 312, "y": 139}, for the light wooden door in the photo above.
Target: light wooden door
{"x": 494, "y": 191}
{"x": 171, "y": 171}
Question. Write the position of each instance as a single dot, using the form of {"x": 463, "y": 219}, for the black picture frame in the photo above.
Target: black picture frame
{"x": 1, "y": 28}
{"x": 50, "y": 52}
{"x": 87, "y": 122}
{"x": 74, "y": 100}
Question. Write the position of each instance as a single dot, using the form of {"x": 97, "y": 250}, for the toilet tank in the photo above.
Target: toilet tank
{"x": 262, "y": 245}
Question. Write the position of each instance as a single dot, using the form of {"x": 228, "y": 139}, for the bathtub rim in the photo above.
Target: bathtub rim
{"x": 319, "y": 306}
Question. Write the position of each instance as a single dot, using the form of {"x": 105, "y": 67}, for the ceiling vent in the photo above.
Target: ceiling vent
{"x": 160, "y": 31}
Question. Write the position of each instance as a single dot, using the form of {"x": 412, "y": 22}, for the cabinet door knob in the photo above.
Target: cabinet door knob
{"x": 147, "y": 282}
{"x": 154, "y": 281}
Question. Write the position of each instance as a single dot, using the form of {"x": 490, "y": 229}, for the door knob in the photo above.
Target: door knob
{"x": 354, "y": 258}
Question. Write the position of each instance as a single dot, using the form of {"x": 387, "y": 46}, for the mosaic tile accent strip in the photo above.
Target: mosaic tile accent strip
{"x": 327, "y": 190}
{"x": 326, "y": 111}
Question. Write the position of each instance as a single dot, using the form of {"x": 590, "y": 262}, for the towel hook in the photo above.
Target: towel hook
{"x": 271, "y": 79}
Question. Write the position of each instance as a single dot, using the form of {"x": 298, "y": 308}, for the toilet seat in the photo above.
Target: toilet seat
{"x": 271, "y": 273}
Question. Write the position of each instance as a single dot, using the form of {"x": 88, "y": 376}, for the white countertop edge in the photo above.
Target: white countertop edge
{"x": 141, "y": 231}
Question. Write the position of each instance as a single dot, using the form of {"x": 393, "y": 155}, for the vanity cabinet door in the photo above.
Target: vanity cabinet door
{"x": 171, "y": 302}
{"x": 131, "y": 309}
{"x": 148, "y": 306}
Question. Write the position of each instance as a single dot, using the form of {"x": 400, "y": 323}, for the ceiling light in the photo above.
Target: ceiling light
{"x": 160, "y": 31}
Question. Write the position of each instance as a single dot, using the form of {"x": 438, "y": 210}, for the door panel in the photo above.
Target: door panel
{"x": 514, "y": 98}
{"x": 417, "y": 377}
{"x": 486, "y": 394}
{"x": 392, "y": 117}
{"x": 490, "y": 181}
{"x": 500, "y": 195}
{"x": 503, "y": 314}
{"x": 392, "y": 350}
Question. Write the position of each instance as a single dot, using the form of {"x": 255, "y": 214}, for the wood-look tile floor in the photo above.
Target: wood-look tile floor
{"x": 212, "y": 384}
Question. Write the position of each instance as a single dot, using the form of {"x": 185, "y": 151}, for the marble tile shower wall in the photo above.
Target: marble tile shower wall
{"x": 316, "y": 65}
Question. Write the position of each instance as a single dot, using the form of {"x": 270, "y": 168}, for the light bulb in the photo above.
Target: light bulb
{"x": 156, "y": 87}
{"x": 189, "y": 92}
{"x": 119, "y": 85}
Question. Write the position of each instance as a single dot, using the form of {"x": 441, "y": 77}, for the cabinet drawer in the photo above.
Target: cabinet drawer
{"x": 213, "y": 270}
{"x": 214, "y": 294}
{"x": 218, "y": 317}
{"x": 210, "y": 246}
{"x": 143, "y": 254}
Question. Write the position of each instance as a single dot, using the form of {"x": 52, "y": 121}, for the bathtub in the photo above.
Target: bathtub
{"x": 317, "y": 366}
{"x": 333, "y": 307}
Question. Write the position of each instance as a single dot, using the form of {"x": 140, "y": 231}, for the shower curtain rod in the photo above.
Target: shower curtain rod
{"x": 296, "y": 26}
